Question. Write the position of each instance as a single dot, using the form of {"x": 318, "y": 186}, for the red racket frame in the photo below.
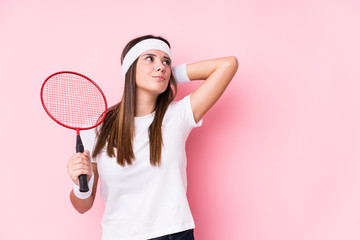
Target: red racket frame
{"x": 64, "y": 125}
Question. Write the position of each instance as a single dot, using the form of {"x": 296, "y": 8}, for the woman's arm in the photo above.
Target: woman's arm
{"x": 81, "y": 164}
{"x": 217, "y": 74}
{"x": 84, "y": 205}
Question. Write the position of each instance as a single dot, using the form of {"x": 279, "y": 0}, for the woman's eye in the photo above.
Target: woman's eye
{"x": 167, "y": 62}
{"x": 149, "y": 58}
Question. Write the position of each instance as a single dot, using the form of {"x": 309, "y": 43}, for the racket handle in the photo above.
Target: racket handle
{"x": 79, "y": 144}
{"x": 83, "y": 177}
{"x": 83, "y": 183}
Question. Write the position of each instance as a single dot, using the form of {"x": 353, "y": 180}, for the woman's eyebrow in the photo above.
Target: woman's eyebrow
{"x": 154, "y": 55}
{"x": 149, "y": 54}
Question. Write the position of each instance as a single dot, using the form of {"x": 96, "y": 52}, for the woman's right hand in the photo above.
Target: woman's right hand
{"x": 78, "y": 164}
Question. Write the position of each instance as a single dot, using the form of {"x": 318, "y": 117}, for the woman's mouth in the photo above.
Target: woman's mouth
{"x": 159, "y": 77}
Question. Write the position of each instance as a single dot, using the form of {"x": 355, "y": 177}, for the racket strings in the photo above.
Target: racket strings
{"x": 73, "y": 100}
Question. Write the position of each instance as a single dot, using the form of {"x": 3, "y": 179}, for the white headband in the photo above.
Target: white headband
{"x": 141, "y": 47}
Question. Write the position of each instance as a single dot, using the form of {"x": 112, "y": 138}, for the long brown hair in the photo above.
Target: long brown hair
{"x": 118, "y": 128}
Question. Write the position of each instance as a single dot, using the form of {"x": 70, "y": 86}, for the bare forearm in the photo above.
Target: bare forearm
{"x": 81, "y": 205}
{"x": 204, "y": 69}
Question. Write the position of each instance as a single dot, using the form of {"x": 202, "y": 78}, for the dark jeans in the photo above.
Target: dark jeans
{"x": 185, "y": 235}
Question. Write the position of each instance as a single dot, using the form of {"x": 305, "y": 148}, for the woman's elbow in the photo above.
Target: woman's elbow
{"x": 82, "y": 211}
{"x": 83, "y": 208}
{"x": 233, "y": 62}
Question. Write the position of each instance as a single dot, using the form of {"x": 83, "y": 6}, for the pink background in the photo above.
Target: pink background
{"x": 276, "y": 158}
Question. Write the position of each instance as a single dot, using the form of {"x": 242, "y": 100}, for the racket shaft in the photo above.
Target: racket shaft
{"x": 83, "y": 177}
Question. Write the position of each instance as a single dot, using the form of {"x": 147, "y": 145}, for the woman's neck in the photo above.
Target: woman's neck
{"x": 145, "y": 104}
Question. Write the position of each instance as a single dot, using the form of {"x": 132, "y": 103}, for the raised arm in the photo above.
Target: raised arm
{"x": 217, "y": 74}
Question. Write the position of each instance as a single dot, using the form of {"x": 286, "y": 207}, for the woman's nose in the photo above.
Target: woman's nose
{"x": 160, "y": 67}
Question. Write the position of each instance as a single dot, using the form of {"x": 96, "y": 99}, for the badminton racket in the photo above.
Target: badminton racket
{"x": 74, "y": 101}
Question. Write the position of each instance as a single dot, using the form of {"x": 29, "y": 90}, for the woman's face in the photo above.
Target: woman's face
{"x": 153, "y": 71}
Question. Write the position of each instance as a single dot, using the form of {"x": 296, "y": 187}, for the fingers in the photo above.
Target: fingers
{"x": 86, "y": 153}
{"x": 79, "y": 164}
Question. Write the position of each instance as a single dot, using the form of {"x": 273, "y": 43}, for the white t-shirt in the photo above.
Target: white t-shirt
{"x": 142, "y": 201}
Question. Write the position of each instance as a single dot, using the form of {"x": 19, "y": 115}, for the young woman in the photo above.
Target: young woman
{"x": 139, "y": 149}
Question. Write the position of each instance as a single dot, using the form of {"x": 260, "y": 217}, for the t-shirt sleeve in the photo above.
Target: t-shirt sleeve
{"x": 183, "y": 108}
{"x": 88, "y": 138}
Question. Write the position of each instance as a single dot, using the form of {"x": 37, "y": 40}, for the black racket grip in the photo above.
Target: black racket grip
{"x": 83, "y": 177}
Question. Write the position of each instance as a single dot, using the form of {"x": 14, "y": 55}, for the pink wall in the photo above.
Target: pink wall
{"x": 276, "y": 158}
